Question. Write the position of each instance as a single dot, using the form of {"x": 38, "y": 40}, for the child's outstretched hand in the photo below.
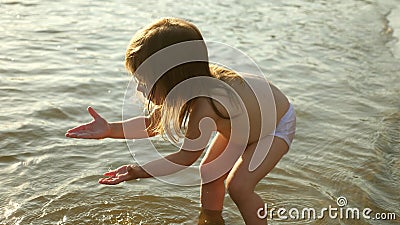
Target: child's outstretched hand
{"x": 98, "y": 128}
{"x": 123, "y": 173}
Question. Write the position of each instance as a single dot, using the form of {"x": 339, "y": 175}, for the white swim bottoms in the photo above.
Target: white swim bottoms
{"x": 287, "y": 126}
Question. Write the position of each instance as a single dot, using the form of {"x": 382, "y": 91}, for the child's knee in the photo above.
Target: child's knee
{"x": 238, "y": 189}
{"x": 208, "y": 175}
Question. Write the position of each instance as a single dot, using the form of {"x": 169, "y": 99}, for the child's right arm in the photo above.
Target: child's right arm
{"x": 135, "y": 128}
{"x": 99, "y": 128}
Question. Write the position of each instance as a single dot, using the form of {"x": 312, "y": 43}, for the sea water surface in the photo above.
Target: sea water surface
{"x": 337, "y": 60}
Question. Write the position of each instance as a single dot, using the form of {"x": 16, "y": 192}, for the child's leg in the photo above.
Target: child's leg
{"x": 210, "y": 217}
{"x": 241, "y": 182}
{"x": 212, "y": 193}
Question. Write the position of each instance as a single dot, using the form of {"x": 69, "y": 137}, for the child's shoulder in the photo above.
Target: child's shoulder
{"x": 201, "y": 106}
{"x": 213, "y": 107}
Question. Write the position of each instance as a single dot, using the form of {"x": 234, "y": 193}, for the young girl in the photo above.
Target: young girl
{"x": 253, "y": 130}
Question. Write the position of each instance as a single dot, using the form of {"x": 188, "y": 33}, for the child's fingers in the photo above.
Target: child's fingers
{"x": 113, "y": 173}
{"x": 114, "y": 178}
{"x": 110, "y": 173}
{"x": 86, "y": 135}
{"x": 110, "y": 181}
{"x": 82, "y": 134}
{"x": 78, "y": 128}
{"x": 71, "y": 135}
{"x": 103, "y": 181}
{"x": 93, "y": 113}
{"x": 79, "y": 135}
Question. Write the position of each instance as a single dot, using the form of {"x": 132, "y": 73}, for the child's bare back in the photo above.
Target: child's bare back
{"x": 246, "y": 92}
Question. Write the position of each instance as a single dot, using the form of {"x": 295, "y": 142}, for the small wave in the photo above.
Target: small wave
{"x": 8, "y": 159}
{"x": 7, "y": 91}
{"x": 387, "y": 146}
{"x": 23, "y": 132}
{"x": 51, "y": 113}
{"x": 47, "y": 31}
{"x": 20, "y": 3}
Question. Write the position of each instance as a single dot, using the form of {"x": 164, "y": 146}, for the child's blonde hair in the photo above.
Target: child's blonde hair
{"x": 163, "y": 33}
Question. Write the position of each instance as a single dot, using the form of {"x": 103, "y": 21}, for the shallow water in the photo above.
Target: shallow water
{"x": 338, "y": 61}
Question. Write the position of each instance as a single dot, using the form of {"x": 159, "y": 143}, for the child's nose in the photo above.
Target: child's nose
{"x": 140, "y": 88}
